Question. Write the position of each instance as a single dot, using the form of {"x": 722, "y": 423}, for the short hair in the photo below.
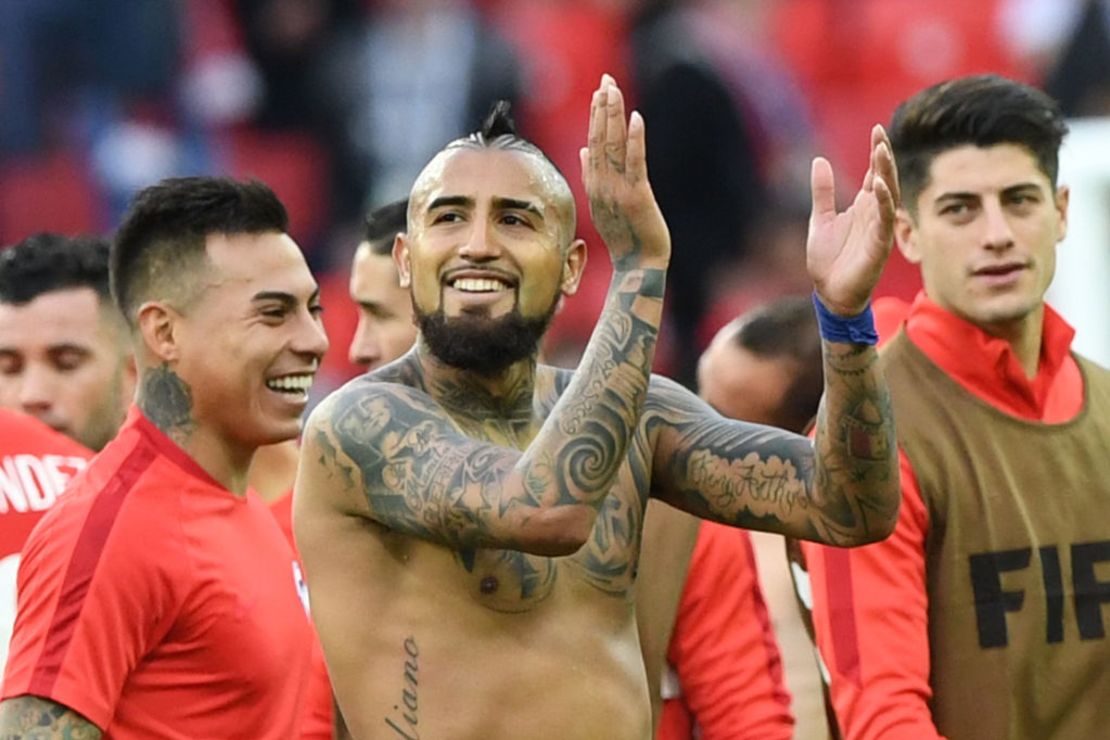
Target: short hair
{"x": 48, "y": 262}
{"x": 787, "y": 328}
{"x": 981, "y": 110}
{"x": 164, "y": 233}
{"x": 498, "y": 131}
{"x": 383, "y": 224}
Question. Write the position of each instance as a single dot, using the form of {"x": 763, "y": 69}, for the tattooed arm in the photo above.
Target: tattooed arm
{"x": 395, "y": 449}
{"x": 33, "y": 718}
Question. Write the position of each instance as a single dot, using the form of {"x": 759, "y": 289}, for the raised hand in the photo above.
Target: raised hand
{"x": 845, "y": 252}
{"x": 614, "y": 172}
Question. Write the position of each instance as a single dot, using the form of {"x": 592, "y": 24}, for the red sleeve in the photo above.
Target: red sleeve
{"x": 870, "y": 612}
{"x": 723, "y": 648}
{"x": 94, "y": 596}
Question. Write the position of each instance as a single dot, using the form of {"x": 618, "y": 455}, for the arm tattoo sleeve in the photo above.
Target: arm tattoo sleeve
{"x": 33, "y": 718}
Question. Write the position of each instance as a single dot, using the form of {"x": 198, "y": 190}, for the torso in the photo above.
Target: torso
{"x": 492, "y": 643}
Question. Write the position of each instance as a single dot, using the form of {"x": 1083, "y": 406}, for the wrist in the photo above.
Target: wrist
{"x": 854, "y": 329}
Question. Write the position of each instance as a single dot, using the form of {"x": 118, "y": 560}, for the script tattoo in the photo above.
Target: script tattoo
{"x": 168, "y": 402}
{"x": 406, "y": 726}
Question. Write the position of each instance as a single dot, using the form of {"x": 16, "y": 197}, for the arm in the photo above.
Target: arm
{"x": 845, "y": 493}
{"x": 32, "y": 718}
{"x": 724, "y": 648}
{"x": 395, "y": 449}
{"x": 870, "y": 612}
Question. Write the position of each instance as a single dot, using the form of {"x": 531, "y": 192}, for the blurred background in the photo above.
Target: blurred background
{"x": 337, "y": 104}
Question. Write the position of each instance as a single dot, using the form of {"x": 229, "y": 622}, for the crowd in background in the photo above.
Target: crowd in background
{"x": 337, "y": 103}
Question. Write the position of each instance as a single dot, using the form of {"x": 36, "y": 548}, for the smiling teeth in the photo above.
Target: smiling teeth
{"x": 478, "y": 285}
{"x": 290, "y": 383}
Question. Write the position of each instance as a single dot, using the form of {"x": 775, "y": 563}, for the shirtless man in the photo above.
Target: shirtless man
{"x": 470, "y": 520}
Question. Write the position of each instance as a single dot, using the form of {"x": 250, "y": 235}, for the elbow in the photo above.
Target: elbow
{"x": 557, "y": 531}
{"x": 884, "y": 519}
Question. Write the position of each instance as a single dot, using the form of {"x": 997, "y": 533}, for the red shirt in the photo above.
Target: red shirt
{"x": 36, "y": 463}
{"x": 723, "y": 649}
{"x": 319, "y": 719}
{"x": 156, "y": 603}
{"x": 871, "y": 603}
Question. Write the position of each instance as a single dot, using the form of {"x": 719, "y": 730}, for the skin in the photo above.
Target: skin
{"x": 385, "y": 330}
{"x": 496, "y": 521}
{"x": 64, "y": 359}
{"x": 984, "y": 230}
{"x": 203, "y": 370}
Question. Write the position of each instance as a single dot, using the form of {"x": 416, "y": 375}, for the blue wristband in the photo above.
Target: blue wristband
{"x": 858, "y": 329}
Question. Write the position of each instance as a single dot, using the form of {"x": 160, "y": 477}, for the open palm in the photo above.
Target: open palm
{"x": 846, "y": 251}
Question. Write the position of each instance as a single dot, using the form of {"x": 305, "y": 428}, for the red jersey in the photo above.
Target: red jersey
{"x": 319, "y": 719}
{"x": 156, "y": 603}
{"x": 36, "y": 464}
{"x": 871, "y": 603}
{"x": 723, "y": 650}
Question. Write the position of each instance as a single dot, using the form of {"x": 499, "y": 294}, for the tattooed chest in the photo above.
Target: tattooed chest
{"x": 513, "y": 581}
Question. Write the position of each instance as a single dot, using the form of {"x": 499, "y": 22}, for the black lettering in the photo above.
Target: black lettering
{"x": 1053, "y": 594}
{"x": 991, "y": 602}
{"x": 1090, "y": 593}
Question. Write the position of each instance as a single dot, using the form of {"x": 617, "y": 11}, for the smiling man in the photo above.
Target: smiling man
{"x": 984, "y": 616}
{"x": 470, "y": 519}
{"x": 159, "y": 597}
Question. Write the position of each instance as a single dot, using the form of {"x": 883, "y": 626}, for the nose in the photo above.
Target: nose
{"x": 37, "y": 390}
{"x": 481, "y": 244}
{"x": 365, "y": 350}
{"x": 311, "y": 339}
{"x": 997, "y": 233}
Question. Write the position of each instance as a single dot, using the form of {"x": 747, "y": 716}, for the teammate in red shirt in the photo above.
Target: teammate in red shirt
{"x": 36, "y": 463}
{"x": 159, "y": 598}
{"x": 934, "y": 632}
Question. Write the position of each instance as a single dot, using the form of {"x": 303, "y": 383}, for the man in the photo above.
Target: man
{"x": 159, "y": 598}
{"x": 489, "y": 508}
{"x": 64, "y": 358}
{"x": 983, "y": 615}
{"x": 36, "y": 464}
{"x": 64, "y": 354}
{"x": 385, "y": 326}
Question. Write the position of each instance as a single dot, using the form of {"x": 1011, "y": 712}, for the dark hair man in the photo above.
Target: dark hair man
{"x": 490, "y": 507}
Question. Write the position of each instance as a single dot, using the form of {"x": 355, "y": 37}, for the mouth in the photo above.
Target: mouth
{"x": 1001, "y": 270}
{"x": 480, "y": 281}
{"x": 295, "y": 384}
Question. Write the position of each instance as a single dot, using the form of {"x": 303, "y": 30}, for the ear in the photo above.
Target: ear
{"x": 1063, "y": 195}
{"x": 158, "y": 326}
{"x": 905, "y": 235}
{"x": 574, "y": 264}
{"x": 402, "y": 260}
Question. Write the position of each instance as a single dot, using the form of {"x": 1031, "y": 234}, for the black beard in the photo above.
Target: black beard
{"x": 480, "y": 344}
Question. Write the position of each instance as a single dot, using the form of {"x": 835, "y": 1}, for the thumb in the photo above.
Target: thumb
{"x": 822, "y": 189}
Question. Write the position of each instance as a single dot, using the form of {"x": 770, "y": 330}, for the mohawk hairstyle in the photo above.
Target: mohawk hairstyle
{"x": 498, "y": 131}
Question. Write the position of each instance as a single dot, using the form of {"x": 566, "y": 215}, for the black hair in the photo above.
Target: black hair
{"x": 164, "y": 234}
{"x": 47, "y": 262}
{"x": 787, "y": 328}
{"x": 982, "y": 110}
{"x": 383, "y": 224}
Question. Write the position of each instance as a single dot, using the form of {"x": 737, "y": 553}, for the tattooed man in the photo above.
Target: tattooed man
{"x": 470, "y": 520}
{"x": 159, "y": 597}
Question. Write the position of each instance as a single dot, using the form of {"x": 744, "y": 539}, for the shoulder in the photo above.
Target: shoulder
{"x": 20, "y": 433}
{"x": 668, "y": 397}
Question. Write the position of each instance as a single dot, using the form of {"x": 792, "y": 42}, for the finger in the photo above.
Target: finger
{"x": 822, "y": 189}
{"x": 636, "y": 154}
{"x": 888, "y": 168}
{"x": 584, "y": 162}
{"x": 616, "y": 135}
{"x": 886, "y": 209}
{"x": 595, "y": 139}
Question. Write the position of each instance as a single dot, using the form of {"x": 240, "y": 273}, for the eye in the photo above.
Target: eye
{"x": 447, "y": 217}
{"x": 512, "y": 219}
{"x": 68, "y": 360}
{"x": 954, "y": 209}
{"x": 316, "y": 310}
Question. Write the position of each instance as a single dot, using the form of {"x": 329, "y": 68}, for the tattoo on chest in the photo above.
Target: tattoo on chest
{"x": 403, "y": 720}
{"x": 168, "y": 402}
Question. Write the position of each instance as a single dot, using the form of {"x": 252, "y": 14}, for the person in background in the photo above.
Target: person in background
{"x": 983, "y": 616}
{"x": 158, "y": 598}
{"x": 64, "y": 351}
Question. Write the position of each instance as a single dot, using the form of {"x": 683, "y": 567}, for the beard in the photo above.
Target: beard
{"x": 481, "y": 344}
